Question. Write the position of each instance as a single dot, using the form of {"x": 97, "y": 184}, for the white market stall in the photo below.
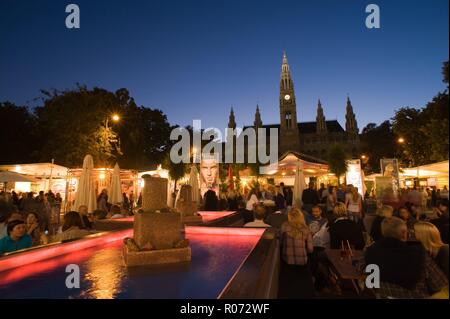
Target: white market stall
{"x": 41, "y": 177}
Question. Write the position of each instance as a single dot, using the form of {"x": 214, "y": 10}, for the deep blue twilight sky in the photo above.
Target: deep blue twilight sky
{"x": 194, "y": 59}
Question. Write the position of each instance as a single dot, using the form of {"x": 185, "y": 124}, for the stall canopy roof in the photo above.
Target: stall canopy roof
{"x": 435, "y": 169}
{"x": 37, "y": 169}
{"x": 287, "y": 164}
{"x": 429, "y": 170}
{"x": 8, "y": 176}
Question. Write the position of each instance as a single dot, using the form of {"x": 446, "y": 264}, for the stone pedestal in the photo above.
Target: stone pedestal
{"x": 192, "y": 220}
{"x": 157, "y": 230}
{"x": 187, "y": 208}
{"x": 156, "y": 257}
{"x": 154, "y": 194}
{"x": 157, "y": 240}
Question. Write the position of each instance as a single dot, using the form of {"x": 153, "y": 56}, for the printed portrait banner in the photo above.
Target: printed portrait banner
{"x": 209, "y": 174}
{"x": 384, "y": 188}
{"x": 354, "y": 175}
{"x": 389, "y": 168}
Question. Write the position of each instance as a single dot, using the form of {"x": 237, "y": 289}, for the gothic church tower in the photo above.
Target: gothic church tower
{"x": 288, "y": 136}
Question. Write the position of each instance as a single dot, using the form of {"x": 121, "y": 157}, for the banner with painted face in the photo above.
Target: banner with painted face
{"x": 209, "y": 174}
{"x": 354, "y": 176}
{"x": 389, "y": 168}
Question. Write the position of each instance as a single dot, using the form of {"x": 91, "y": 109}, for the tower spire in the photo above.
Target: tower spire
{"x": 232, "y": 120}
{"x": 286, "y": 78}
{"x": 285, "y": 61}
{"x": 321, "y": 124}
{"x": 350, "y": 120}
{"x": 258, "y": 122}
{"x": 289, "y": 134}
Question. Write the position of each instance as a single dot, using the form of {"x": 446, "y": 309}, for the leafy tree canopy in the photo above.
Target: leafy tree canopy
{"x": 337, "y": 160}
{"x": 18, "y": 130}
{"x": 76, "y": 122}
{"x": 377, "y": 142}
{"x": 425, "y": 130}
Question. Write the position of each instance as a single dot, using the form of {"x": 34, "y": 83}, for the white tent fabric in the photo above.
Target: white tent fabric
{"x": 86, "y": 188}
{"x": 299, "y": 185}
{"x": 115, "y": 189}
{"x": 7, "y": 176}
{"x": 193, "y": 181}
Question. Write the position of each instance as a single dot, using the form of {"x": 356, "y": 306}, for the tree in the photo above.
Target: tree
{"x": 144, "y": 137}
{"x": 176, "y": 170}
{"x": 425, "y": 130}
{"x": 73, "y": 123}
{"x": 436, "y": 127}
{"x": 445, "y": 72}
{"x": 337, "y": 160}
{"x": 377, "y": 142}
{"x": 18, "y": 134}
{"x": 106, "y": 144}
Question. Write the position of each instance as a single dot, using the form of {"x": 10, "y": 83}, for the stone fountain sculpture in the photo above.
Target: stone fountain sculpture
{"x": 187, "y": 208}
{"x": 157, "y": 230}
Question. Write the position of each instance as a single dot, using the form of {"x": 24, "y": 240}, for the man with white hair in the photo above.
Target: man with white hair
{"x": 406, "y": 271}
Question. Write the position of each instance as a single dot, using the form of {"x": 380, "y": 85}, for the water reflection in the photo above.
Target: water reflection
{"x": 104, "y": 274}
{"x": 215, "y": 258}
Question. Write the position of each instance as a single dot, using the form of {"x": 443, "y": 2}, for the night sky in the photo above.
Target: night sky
{"x": 194, "y": 59}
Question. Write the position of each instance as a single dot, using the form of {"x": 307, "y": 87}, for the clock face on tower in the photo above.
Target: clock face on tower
{"x": 287, "y": 97}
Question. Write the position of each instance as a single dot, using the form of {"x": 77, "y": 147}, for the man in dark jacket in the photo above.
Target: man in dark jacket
{"x": 276, "y": 219}
{"x": 310, "y": 197}
{"x": 406, "y": 271}
{"x": 211, "y": 201}
{"x": 28, "y": 204}
{"x": 280, "y": 202}
{"x": 441, "y": 222}
{"x": 344, "y": 229}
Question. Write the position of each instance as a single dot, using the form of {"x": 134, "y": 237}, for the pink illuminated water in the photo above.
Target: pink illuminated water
{"x": 216, "y": 255}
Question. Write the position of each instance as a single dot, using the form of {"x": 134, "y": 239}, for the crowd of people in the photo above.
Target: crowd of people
{"x": 409, "y": 245}
{"x": 408, "y": 241}
{"x": 28, "y": 220}
{"x": 282, "y": 196}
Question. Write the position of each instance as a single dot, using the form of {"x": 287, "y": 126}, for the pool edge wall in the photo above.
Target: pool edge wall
{"x": 257, "y": 277}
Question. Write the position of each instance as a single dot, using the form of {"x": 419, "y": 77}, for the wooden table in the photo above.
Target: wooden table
{"x": 346, "y": 268}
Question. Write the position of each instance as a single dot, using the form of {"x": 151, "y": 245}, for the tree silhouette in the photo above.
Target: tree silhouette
{"x": 337, "y": 160}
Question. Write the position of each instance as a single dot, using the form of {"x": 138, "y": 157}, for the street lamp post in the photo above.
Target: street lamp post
{"x": 115, "y": 117}
{"x": 400, "y": 141}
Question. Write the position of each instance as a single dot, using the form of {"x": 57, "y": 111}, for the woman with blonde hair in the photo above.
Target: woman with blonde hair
{"x": 354, "y": 204}
{"x": 430, "y": 238}
{"x": 296, "y": 239}
{"x": 296, "y": 244}
{"x": 340, "y": 210}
